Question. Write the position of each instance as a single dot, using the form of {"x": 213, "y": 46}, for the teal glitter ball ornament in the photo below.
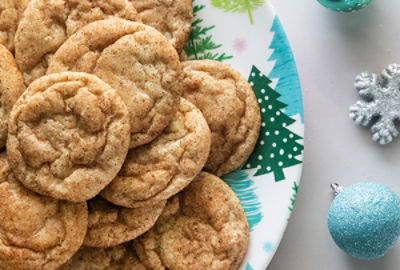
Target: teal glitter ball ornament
{"x": 364, "y": 219}
{"x": 345, "y": 5}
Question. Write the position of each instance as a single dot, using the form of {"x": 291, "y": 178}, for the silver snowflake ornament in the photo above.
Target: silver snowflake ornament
{"x": 381, "y": 103}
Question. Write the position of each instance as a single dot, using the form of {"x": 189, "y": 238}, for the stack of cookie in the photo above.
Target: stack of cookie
{"x": 114, "y": 149}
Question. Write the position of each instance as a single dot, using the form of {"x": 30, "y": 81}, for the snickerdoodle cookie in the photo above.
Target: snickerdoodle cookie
{"x": 230, "y": 107}
{"x": 173, "y": 18}
{"x": 120, "y": 257}
{"x": 135, "y": 59}
{"x": 68, "y": 136}
{"x": 46, "y": 24}
{"x": 36, "y": 232}
{"x": 11, "y": 87}
{"x": 110, "y": 225}
{"x": 159, "y": 170}
{"x": 203, "y": 227}
{"x": 10, "y": 15}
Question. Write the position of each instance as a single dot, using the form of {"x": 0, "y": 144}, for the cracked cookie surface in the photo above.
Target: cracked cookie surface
{"x": 230, "y": 107}
{"x": 121, "y": 257}
{"x": 203, "y": 227}
{"x": 173, "y": 18}
{"x": 68, "y": 136}
{"x": 46, "y": 24}
{"x": 36, "y": 232}
{"x": 138, "y": 61}
{"x": 11, "y": 87}
{"x": 10, "y": 14}
{"x": 159, "y": 170}
{"x": 110, "y": 225}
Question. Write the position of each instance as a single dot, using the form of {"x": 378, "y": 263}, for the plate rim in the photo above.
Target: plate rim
{"x": 270, "y": 8}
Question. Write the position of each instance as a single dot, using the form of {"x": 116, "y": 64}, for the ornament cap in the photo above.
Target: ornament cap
{"x": 336, "y": 188}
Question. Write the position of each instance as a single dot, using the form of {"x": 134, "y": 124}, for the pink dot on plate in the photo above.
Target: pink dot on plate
{"x": 239, "y": 45}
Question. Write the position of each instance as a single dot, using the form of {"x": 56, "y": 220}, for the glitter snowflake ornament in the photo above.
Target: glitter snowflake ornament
{"x": 380, "y": 106}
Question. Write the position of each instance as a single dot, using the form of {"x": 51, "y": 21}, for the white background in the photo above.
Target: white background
{"x": 331, "y": 49}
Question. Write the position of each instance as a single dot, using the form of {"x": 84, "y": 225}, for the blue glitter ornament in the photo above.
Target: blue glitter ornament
{"x": 345, "y": 5}
{"x": 364, "y": 219}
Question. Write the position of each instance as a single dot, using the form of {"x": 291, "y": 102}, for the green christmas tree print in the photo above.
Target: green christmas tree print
{"x": 241, "y": 183}
{"x": 277, "y": 146}
{"x": 238, "y": 6}
{"x": 200, "y": 44}
{"x": 295, "y": 189}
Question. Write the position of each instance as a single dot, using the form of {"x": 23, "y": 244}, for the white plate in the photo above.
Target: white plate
{"x": 248, "y": 35}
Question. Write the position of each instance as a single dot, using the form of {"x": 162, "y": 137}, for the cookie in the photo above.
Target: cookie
{"x": 46, "y": 24}
{"x": 110, "y": 225}
{"x": 11, "y": 87}
{"x": 173, "y": 18}
{"x": 230, "y": 107}
{"x": 36, "y": 232}
{"x": 121, "y": 257}
{"x": 10, "y": 14}
{"x": 159, "y": 170}
{"x": 137, "y": 61}
{"x": 203, "y": 227}
{"x": 68, "y": 136}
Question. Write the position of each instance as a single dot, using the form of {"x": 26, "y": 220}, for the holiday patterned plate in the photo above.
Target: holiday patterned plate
{"x": 248, "y": 35}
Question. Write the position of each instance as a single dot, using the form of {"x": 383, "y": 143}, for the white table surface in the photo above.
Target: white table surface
{"x": 331, "y": 49}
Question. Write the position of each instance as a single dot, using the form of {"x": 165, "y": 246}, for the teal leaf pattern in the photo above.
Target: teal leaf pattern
{"x": 238, "y": 6}
{"x": 244, "y": 187}
{"x": 200, "y": 44}
{"x": 248, "y": 267}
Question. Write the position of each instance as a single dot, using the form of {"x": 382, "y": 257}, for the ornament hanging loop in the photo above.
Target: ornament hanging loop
{"x": 336, "y": 188}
